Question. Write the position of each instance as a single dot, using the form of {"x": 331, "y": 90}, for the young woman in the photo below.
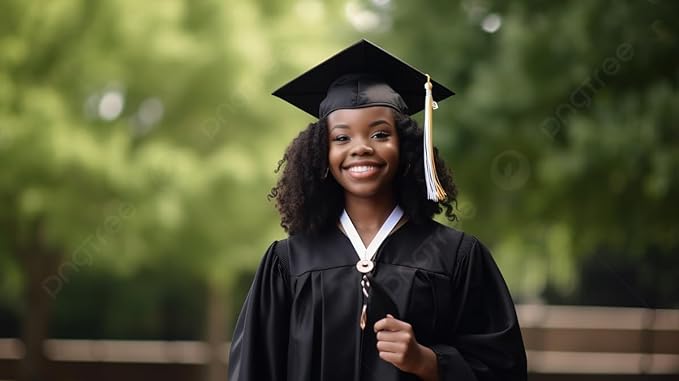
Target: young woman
{"x": 367, "y": 286}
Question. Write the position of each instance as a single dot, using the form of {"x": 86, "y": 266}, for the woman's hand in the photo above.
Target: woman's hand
{"x": 397, "y": 345}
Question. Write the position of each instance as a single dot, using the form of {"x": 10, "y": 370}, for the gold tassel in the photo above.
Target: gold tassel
{"x": 364, "y": 316}
{"x": 435, "y": 191}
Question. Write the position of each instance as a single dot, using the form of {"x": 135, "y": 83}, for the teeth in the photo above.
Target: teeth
{"x": 361, "y": 168}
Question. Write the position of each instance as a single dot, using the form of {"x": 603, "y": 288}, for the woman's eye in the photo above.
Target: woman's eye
{"x": 381, "y": 135}
{"x": 341, "y": 138}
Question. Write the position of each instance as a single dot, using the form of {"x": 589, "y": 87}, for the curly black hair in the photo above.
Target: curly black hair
{"x": 310, "y": 200}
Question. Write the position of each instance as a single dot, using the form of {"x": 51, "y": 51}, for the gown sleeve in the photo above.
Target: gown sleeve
{"x": 260, "y": 339}
{"x": 484, "y": 340}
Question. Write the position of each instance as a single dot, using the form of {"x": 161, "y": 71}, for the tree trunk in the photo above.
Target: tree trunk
{"x": 217, "y": 321}
{"x": 39, "y": 266}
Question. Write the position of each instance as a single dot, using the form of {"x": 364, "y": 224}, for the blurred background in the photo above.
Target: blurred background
{"x": 138, "y": 142}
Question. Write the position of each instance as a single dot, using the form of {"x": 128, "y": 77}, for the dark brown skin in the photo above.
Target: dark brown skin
{"x": 397, "y": 344}
{"x": 363, "y": 157}
{"x": 364, "y": 138}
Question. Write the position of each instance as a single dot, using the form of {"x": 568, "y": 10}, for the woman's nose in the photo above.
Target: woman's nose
{"x": 362, "y": 149}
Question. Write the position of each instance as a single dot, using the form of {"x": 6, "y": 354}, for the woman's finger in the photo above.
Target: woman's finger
{"x": 390, "y": 323}
{"x": 393, "y": 336}
{"x": 394, "y": 358}
{"x": 386, "y": 346}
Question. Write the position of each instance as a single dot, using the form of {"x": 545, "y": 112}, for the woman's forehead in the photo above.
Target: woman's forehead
{"x": 363, "y": 115}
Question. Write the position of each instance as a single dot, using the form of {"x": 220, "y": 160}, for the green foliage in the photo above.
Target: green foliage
{"x": 124, "y": 132}
{"x": 563, "y": 133}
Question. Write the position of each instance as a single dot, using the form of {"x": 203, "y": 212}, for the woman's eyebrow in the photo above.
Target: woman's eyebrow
{"x": 378, "y": 122}
{"x": 344, "y": 126}
{"x": 371, "y": 125}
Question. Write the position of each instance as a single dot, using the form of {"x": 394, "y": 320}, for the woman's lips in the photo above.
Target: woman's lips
{"x": 363, "y": 171}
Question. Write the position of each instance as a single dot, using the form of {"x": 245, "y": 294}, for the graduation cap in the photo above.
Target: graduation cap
{"x": 365, "y": 75}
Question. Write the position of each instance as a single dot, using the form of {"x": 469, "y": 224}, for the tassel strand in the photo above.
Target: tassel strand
{"x": 435, "y": 191}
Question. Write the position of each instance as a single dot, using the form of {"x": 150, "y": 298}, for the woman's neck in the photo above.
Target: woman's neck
{"x": 368, "y": 214}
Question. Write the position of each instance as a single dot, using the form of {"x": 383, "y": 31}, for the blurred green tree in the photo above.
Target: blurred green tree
{"x": 563, "y": 132}
{"x": 126, "y": 141}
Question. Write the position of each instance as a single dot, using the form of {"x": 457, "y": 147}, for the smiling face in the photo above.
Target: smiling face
{"x": 363, "y": 152}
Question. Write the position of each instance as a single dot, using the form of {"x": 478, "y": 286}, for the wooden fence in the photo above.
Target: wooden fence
{"x": 562, "y": 343}
{"x": 599, "y": 343}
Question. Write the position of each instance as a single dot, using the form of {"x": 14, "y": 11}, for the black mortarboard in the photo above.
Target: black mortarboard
{"x": 359, "y": 76}
{"x": 365, "y": 75}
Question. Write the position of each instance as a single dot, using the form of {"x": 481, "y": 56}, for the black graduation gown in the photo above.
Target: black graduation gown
{"x": 300, "y": 321}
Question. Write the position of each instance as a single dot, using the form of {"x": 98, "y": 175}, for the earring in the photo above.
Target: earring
{"x": 405, "y": 172}
{"x": 325, "y": 175}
